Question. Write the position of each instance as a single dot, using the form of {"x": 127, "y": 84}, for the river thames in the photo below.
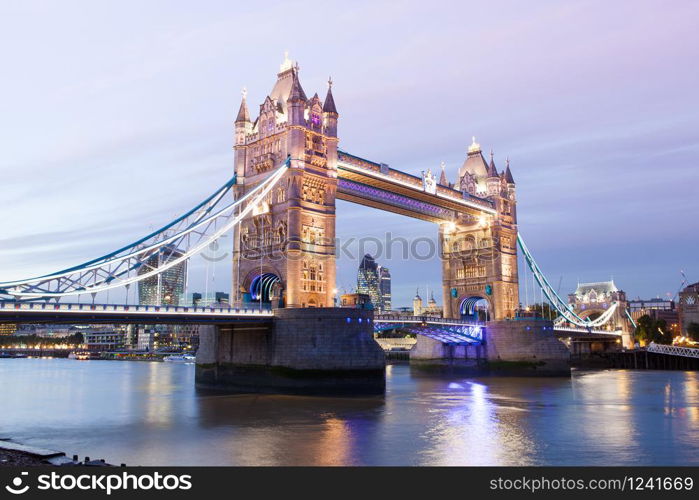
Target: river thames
{"x": 149, "y": 413}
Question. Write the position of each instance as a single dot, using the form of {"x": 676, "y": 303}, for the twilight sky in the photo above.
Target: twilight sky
{"x": 118, "y": 116}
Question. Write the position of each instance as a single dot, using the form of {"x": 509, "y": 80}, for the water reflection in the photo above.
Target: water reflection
{"x": 146, "y": 413}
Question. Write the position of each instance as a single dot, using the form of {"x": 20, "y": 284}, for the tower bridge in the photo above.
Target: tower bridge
{"x": 290, "y": 238}
{"x": 279, "y": 205}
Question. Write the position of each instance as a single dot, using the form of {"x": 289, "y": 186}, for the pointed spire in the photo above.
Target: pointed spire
{"x": 508, "y": 174}
{"x": 296, "y": 93}
{"x": 492, "y": 171}
{"x": 329, "y": 104}
{"x": 243, "y": 113}
{"x": 443, "y": 177}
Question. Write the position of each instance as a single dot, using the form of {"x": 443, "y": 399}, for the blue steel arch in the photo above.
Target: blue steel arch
{"x": 261, "y": 286}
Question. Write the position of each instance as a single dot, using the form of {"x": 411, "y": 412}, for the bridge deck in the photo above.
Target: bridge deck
{"x": 35, "y": 312}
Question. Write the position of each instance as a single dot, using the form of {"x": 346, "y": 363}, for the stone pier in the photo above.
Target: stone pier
{"x": 301, "y": 351}
{"x": 521, "y": 347}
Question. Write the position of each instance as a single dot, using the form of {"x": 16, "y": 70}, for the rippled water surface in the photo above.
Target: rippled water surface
{"x": 149, "y": 413}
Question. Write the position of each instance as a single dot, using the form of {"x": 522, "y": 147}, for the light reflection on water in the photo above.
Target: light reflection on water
{"x": 148, "y": 413}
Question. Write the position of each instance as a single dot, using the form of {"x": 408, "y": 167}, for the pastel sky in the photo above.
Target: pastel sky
{"x": 117, "y": 116}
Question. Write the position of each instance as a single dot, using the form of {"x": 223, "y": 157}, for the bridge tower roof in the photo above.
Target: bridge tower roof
{"x": 243, "y": 112}
{"x": 492, "y": 171}
{"x": 508, "y": 174}
{"x": 474, "y": 164}
{"x": 329, "y": 104}
{"x": 287, "y": 86}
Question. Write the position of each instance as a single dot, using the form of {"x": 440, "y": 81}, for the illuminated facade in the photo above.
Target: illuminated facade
{"x": 285, "y": 251}
{"x": 480, "y": 253}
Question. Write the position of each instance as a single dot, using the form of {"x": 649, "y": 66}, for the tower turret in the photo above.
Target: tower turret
{"x": 508, "y": 174}
{"x": 243, "y": 127}
{"x": 296, "y": 103}
{"x": 492, "y": 179}
{"x": 330, "y": 113}
{"x": 417, "y": 304}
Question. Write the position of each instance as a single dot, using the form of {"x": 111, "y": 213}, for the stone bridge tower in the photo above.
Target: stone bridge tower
{"x": 480, "y": 253}
{"x": 284, "y": 252}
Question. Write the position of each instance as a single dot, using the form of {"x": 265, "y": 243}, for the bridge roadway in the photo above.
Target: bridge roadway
{"x": 561, "y": 331}
{"x": 41, "y": 312}
{"x": 446, "y": 330}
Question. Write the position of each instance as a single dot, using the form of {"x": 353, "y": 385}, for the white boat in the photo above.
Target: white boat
{"x": 180, "y": 358}
{"x": 79, "y": 355}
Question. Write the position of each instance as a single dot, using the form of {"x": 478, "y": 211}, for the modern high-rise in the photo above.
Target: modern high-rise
{"x": 164, "y": 288}
{"x": 375, "y": 281}
{"x": 385, "y": 288}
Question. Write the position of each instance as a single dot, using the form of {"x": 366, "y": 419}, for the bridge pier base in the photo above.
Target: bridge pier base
{"x": 521, "y": 347}
{"x": 302, "y": 351}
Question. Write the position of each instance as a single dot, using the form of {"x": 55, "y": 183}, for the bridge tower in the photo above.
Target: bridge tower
{"x": 480, "y": 253}
{"x": 284, "y": 252}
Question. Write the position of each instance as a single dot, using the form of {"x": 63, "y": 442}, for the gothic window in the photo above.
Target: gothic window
{"x": 475, "y": 271}
{"x": 315, "y": 119}
{"x": 281, "y": 195}
{"x": 312, "y": 276}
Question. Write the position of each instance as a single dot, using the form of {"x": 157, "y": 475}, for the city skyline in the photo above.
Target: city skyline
{"x": 585, "y": 170}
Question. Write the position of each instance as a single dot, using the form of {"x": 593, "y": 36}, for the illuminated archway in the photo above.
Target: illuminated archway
{"x": 475, "y": 308}
{"x": 262, "y": 286}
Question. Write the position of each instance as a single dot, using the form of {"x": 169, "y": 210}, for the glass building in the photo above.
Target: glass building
{"x": 164, "y": 288}
{"x": 375, "y": 281}
{"x": 385, "y": 288}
